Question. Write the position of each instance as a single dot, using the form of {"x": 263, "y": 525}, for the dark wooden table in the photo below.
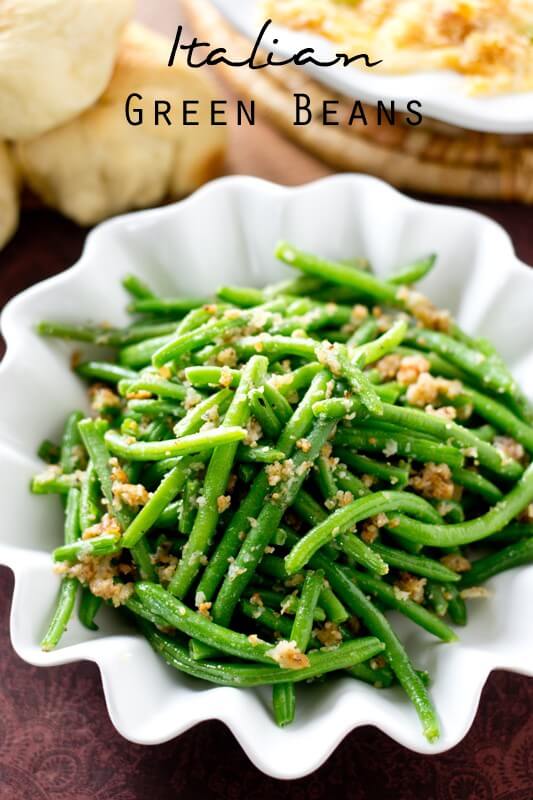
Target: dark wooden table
{"x": 56, "y": 741}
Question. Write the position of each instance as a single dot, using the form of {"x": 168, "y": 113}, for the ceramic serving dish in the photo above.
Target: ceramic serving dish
{"x": 226, "y": 233}
{"x": 443, "y": 93}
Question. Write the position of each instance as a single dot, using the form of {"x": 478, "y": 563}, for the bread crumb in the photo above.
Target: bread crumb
{"x": 226, "y": 377}
{"x": 223, "y": 503}
{"x": 227, "y": 357}
{"x": 428, "y": 389}
{"x": 328, "y": 635}
{"x": 475, "y": 593}
{"x": 456, "y": 562}
{"x": 448, "y": 413}
{"x": 411, "y": 367}
{"x": 423, "y": 310}
{"x": 254, "y": 432}
{"x": 108, "y": 525}
{"x": 411, "y": 586}
{"x": 304, "y": 445}
{"x": 100, "y": 575}
{"x": 204, "y": 608}
{"x": 279, "y": 471}
{"x": 102, "y": 398}
{"x": 509, "y": 448}
{"x": 192, "y": 398}
{"x": 434, "y": 481}
{"x": 288, "y": 656}
{"x": 327, "y": 354}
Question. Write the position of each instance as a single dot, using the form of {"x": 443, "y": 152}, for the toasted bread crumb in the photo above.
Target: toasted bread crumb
{"x": 288, "y": 656}
{"x": 434, "y": 481}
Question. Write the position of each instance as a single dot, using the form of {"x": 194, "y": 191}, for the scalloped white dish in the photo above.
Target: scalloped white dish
{"x": 443, "y": 93}
{"x": 226, "y": 233}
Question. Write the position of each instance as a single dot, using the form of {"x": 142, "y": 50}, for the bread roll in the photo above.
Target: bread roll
{"x": 56, "y": 57}
{"x": 9, "y": 195}
{"x": 98, "y": 165}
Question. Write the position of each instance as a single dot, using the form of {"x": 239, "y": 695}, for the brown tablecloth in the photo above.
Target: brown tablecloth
{"x": 56, "y": 740}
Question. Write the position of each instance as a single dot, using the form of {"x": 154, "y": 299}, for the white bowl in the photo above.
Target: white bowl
{"x": 226, "y": 233}
{"x": 443, "y": 93}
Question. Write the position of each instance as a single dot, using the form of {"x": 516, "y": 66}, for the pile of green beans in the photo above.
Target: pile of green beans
{"x": 257, "y": 485}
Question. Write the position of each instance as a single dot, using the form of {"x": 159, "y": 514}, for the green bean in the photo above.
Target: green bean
{"x": 154, "y": 384}
{"x": 90, "y": 507}
{"x": 283, "y": 696}
{"x": 337, "y": 273}
{"x": 69, "y": 586}
{"x": 324, "y": 478}
{"x": 485, "y": 432}
{"x": 375, "y": 350}
{"x": 137, "y": 287}
{"x": 435, "y": 594}
{"x": 216, "y": 480}
{"x": 140, "y": 354}
{"x": 301, "y": 378}
{"x": 471, "y": 361}
{"x": 51, "y": 481}
{"x": 164, "y": 494}
{"x": 88, "y": 608}
{"x": 477, "y": 484}
{"x": 456, "y": 605}
{"x": 199, "y": 414}
{"x": 72, "y": 455}
{"x": 165, "y": 305}
{"x": 244, "y": 297}
{"x": 498, "y": 415}
{"x": 183, "y": 343}
{"x": 342, "y": 364}
{"x": 393, "y": 599}
{"x": 95, "y": 445}
{"x": 276, "y": 346}
{"x": 397, "y": 476}
{"x": 366, "y": 331}
{"x": 401, "y": 444}
{"x": 266, "y": 617}
{"x": 442, "y": 430}
{"x": 262, "y": 411}
{"x": 417, "y": 564}
{"x": 179, "y": 616}
{"x": 512, "y": 533}
{"x": 154, "y": 408}
{"x": 96, "y": 547}
{"x": 514, "y": 555}
{"x": 269, "y": 519}
{"x": 289, "y": 604}
{"x": 308, "y": 509}
{"x": 259, "y": 455}
{"x": 278, "y": 402}
{"x": 230, "y": 542}
{"x": 362, "y": 554}
{"x": 379, "y": 678}
{"x": 335, "y": 611}
{"x": 395, "y": 654}
{"x": 159, "y": 450}
{"x": 48, "y": 452}
{"x": 103, "y": 371}
{"x": 189, "y": 505}
{"x": 496, "y": 518}
{"x": 412, "y": 273}
{"x": 345, "y": 518}
{"x": 211, "y": 376}
{"x": 241, "y": 675}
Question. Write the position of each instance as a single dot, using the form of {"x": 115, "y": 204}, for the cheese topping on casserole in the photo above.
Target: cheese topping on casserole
{"x": 488, "y": 41}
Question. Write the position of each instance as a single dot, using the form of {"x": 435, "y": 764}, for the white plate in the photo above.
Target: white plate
{"x": 442, "y": 93}
{"x": 226, "y": 233}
